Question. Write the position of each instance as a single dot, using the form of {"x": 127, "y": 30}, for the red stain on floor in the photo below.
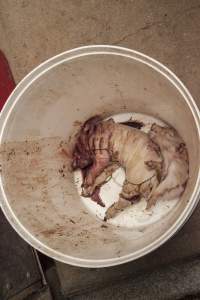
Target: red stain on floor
{"x": 7, "y": 83}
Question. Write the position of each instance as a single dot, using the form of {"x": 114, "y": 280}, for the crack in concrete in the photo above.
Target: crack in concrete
{"x": 145, "y": 27}
{"x": 152, "y": 24}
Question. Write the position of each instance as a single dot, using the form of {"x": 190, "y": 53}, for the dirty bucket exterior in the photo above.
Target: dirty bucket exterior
{"x": 40, "y": 203}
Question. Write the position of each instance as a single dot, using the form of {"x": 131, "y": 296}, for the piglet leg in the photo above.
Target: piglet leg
{"x": 116, "y": 208}
{"x": 88, "y": 190}
{"x": 101, "y": 161}
{"x": 130, "y": 193}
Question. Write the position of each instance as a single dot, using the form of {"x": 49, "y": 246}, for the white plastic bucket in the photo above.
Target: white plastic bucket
{"x": 41, "y": 204}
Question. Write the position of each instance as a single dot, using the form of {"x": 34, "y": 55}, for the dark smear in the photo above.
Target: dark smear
{"x": 134, "y": 124}
{"x": 133, "y": 199}
{"x": 104, "y": 226}
{"x": 72, "y": 221}
{"x": 181, "y": 148}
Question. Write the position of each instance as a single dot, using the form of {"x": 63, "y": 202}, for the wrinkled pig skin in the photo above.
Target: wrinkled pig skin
{"x": 175, "y": 168}
{"x": 104, "y": 146}
{"x": 155, "y": 164}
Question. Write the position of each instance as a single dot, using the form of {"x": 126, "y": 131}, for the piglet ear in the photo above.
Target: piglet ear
{"x": 91, "y": 123}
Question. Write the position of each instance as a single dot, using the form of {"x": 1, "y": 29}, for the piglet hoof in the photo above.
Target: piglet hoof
{"x": 86, "y": 192}
{"x": 111, "y": 212}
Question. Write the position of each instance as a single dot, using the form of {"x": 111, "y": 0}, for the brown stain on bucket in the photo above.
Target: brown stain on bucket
{"x": 44, "y": 195}
{"x": 58, "y": 230}
{"x": 44, "y": 201}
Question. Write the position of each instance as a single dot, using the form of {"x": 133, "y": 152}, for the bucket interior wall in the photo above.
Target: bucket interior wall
{"x": 48, "y": 112}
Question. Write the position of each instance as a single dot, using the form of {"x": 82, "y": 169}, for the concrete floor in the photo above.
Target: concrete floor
{"x": 32, "y": 31}
{"x": 174, "y": 282}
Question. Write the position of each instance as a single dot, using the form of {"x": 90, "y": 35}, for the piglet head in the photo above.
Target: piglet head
{"x": 82, "y": 156}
